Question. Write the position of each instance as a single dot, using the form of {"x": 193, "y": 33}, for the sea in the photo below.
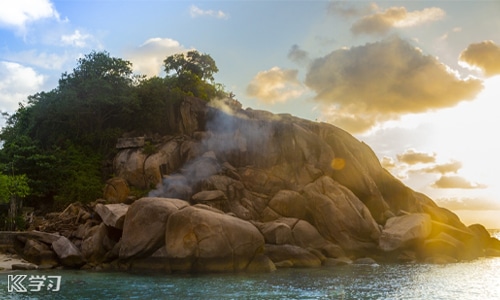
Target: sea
{"x": 477, "y": 279}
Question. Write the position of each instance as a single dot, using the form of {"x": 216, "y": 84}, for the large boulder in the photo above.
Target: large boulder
{"x": 289, "y": 204}
{"x": 39, "y": 253}
{"x": 112, "y": 214}
{"x": 262, "y": 167}
{"x": 340, "y": 216}
{"x": 403, "y": 231}
{"x": 97, "y": 244}
{"x": 68, "y": 253}
{"x": 277, "y": 233}
{"x": 216, "y": 241}
{"x": 142, "y": 169}
{"x": 444, "y": 244}
{"x": 116, "y": 190}
{"x": 144, "y": 226}
{"x": 307, "y": 236}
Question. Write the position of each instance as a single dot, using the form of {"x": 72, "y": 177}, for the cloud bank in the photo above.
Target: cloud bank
{"x": 377, "y": 82}
{"x": 484, "y": 55}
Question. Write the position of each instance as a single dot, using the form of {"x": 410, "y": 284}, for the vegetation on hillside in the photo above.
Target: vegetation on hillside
{"x": 60, "y": 140}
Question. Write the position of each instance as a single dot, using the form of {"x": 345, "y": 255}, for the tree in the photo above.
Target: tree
{"x": 12, "y": 190}
{"x": 60, "y": 138}
{"x": 64, "y": 139}
{"x": 194, "y": 63}
{"x": 97, "y": 95}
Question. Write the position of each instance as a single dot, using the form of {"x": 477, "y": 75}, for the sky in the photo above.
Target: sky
{"x": 418, "y": 81}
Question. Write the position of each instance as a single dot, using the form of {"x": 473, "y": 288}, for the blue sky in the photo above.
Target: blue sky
{"x": 418, "y": 81}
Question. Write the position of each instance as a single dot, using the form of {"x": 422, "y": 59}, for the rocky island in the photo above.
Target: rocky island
{"x": 246, "y": 190}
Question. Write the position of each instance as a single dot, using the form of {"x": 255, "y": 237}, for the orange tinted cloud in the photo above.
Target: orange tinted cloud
{"x": 382, "y": 22}
{"x": 484, "y": 55}
{"x": 451, "y": 167}
{"x": 388, "y": 163}
{"x": 413, "y": 157}
{"x": 380, "y": 81}
{"x": 275, "y": 85}
{"x": 456, "y": 182}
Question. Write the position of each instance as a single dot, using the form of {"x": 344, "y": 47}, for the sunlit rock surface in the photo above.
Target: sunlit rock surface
{"x": 248, "y": 190}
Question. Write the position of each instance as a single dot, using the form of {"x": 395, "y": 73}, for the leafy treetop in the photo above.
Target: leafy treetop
{"x": 194, "y": 63}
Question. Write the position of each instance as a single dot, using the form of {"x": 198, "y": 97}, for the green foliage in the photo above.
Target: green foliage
{"x": 193, "y": 74}
{"x": 155, "y": 101}
{"x": 80, "y": 177}
{"x": 200, "y": 65}
{"x": 13, "y": 186}
{"x": 149, "y": 148}
{"x": 61, "y": 138}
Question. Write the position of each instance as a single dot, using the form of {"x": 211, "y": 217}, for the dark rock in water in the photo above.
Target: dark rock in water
{"x": 365, "y": 261}
{"x": 24, "y": 267}
{"x": 283, "y": 255}
{"x": 440, "y": 259}
{"x": 334, "y": 262}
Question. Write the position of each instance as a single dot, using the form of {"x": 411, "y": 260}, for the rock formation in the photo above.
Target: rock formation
{"x": 236, "y": 190}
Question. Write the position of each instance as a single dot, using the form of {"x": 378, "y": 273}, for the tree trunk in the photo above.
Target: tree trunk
{"x": 11, "y": 220}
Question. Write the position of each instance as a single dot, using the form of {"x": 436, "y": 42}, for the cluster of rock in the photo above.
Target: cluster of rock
{"x": 247, "y": 190}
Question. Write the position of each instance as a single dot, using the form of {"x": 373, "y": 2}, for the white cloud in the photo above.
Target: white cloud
{"x": 275, "y": 85}
{"x": 50, "y": 61}
{"x": 195, "y": 12}
{"x": 17, "y": 82}
{"x": 414, "y": 18}
{"x": 76, "y": 39}
{"x": 18, "y": 13}
{"x": 148, "y": 58}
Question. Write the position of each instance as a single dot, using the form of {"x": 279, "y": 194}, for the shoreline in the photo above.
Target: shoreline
{"x": 8, "y": 259}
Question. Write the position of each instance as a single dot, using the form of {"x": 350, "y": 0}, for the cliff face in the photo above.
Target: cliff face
{"x": 276, "y": 170}
{"x": 265, "y": 153}
{"x": 248, "y": 190}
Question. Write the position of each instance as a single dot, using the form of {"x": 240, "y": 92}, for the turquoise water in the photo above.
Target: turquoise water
{"x": 479, "y": 279}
